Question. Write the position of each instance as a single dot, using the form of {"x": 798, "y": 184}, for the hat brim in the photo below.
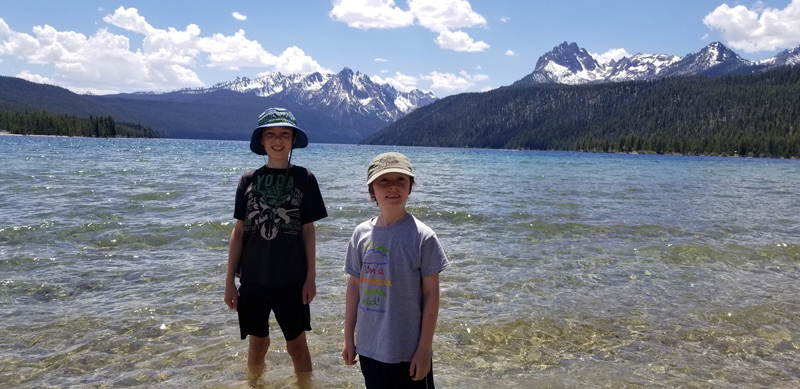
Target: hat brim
{"x": 390, "y": 170}
{"x": 300, "y": 141}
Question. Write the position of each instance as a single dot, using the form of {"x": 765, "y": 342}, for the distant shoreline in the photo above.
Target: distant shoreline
{"x": 6, "y": 133}
{"x": 735, "y": 155}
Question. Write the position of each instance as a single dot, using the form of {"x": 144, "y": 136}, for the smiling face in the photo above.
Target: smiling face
{"x": 391, "y": 190}
{"x": 277, "y": 142}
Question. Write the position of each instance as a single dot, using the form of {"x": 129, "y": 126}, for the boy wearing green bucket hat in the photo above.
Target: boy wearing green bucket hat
{"x": 272, "y": 247}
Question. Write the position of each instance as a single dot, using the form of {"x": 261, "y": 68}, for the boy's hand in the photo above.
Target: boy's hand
{"x": 309, "y": 291}
{"x": 231, "y": 297}
{"x": 420, "y": 364}
{"x": 349, "y": 353}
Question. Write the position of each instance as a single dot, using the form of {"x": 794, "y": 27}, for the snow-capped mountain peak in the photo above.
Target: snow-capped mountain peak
{"x": 570, "y": 64}
{"x": 786, "y": 58}
{"x": 347, "y": 92}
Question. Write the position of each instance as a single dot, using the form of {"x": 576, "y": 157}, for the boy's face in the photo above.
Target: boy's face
{"x": 277, "y": 141}
{"x": 392, "y": 189}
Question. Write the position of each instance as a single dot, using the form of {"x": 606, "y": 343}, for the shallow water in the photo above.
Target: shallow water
{"x": 570, "y": 270}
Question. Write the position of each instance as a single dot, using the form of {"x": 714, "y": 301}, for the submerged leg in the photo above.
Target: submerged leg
{"x": 301, "y": 357}
{"x": 255, "y": 356}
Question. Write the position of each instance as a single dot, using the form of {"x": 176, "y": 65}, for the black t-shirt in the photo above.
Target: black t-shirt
{"x": 274, "y": 206}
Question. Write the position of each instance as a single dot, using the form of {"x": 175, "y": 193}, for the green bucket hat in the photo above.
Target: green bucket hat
{"x": 277, "y": 117}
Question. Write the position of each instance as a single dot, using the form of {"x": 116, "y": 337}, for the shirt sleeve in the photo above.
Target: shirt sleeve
{"x": 240, "y": 206}
{"x": 313, "y": 205}
{"x": 352, "y": 260}
{"x": 434, "y": 259}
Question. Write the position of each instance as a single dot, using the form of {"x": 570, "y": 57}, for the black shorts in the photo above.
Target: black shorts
{"x": 256, "y": 302}
{"x": 391, "y": 375}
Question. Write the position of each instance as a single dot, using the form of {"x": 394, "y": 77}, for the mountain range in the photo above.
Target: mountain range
{"x": 570, "y": 64}
{"x": 347, "y": 107}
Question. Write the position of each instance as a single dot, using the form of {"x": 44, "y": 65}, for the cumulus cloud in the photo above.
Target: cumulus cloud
{"x": 440, "y": 15}
{"x": 758, "y": 28}
{"x": 459, "y": 41}
{"x": 446, "y": 18}
{"x": 610, "y": 55}
{"x": 106, "y": 63}
{"x": 26, "y": 75}
{"x": 239, "y": 16}
{"x": 366, "y": 14}
{"x": 452, "y": 83}
{"x": 441, "y": 83}
{"x": 232, "y": 52}
{"x": 293, "y": 60}
{"x": 129, "y": 19}
{"x": 401, "y": 82}
{"x": 510, "y": 53}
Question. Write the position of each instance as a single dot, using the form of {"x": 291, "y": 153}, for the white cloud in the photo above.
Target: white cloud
{"x": 239, "y": 16}
{"x": 381, "y": 60}
{"x": 451, "y": 83}
{"x": 505, "y": 19}
{"x": 400, "y": 81}
{"x": 366, "y": 14}
{"x": 757, "y": 29}
{"x": 105, "y": 62}
{"x": 510, "y": 53}
{"x": 232, "y": 52}
{"x": 610, "y": 55}
{"x": 439, "y": 16}
{"x": 293, "y": 60}
{"x": 129, "y": 19}
{"x": 26, "y": 75}
{"x": 459, "y": 41}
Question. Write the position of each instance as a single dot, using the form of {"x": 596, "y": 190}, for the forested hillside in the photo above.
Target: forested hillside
{"x": 219, "y": 114}
{"x": 43, "y": 123}
{"x": 747, "y": 115}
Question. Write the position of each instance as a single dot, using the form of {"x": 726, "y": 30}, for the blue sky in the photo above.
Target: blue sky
{"x": 443, "y": 46}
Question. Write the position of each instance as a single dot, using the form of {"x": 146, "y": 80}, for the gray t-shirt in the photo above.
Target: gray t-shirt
{"x": 390, "y": 263}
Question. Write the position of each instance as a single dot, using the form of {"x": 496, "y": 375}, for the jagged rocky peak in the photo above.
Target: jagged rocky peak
{"x": 570, "y": 56}
{"x": 569, "y": 64}
{"x": 716, "y": 52}
{"x": 787, "y": 57}
{"x": 346, "y": 91}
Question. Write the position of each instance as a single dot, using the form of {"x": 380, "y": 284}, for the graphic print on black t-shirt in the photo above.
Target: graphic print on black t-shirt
{"x": 273, "y": 205}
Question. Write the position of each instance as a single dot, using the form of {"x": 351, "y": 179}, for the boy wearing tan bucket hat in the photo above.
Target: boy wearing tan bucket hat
{"x": 272, "y": 247}
{"x": 392, "y": 297}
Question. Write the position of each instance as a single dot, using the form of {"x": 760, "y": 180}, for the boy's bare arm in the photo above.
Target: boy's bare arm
{"x": 310, "y": 242}
{"x": 350, "y": 315}
{"x": 234, "y": 256}
{"x": 421, "y": 362}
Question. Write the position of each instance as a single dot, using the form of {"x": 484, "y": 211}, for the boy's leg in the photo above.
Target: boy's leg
{"x": 256, "y": 355}
{"x": 294, "y": 318}
{"x": 301, "y": 357}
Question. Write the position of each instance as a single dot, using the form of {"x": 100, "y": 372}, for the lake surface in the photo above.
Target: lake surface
{"x": 570, "y": 270}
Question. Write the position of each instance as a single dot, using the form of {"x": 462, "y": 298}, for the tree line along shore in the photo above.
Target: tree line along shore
{"x": 43, "y": 123}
